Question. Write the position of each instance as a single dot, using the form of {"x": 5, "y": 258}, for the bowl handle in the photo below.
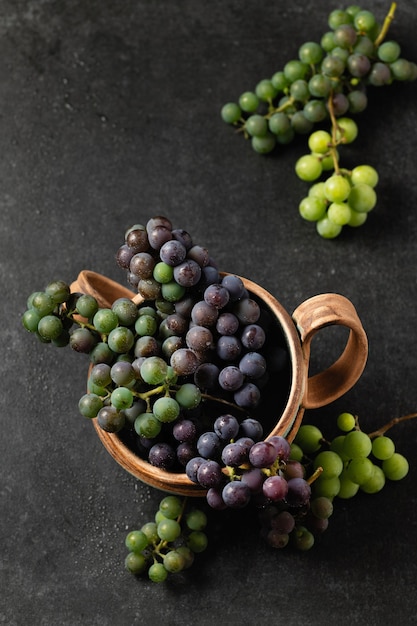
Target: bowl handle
{"x": 310, "y": 317}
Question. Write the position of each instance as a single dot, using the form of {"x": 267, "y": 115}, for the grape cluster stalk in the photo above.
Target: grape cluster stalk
{"x": 326, "y": 85}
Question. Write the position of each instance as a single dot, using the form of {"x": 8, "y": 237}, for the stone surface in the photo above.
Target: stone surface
{"x": 109, "y": 114}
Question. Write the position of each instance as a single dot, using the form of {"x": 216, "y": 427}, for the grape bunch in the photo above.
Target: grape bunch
{"x": 193, "y": 335}
{"x": 326, "y": 84}
{"x": 168, "y": 544}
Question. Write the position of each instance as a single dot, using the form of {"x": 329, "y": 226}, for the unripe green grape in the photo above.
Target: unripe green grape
{"x": 163, "y": 273}
{"x": 153, "y": 370}
{"x": 126, "y": 311}
{"x": 166, "y": 409}
{"x": 265, "y": 144}
{"x": 348, "y": 488}
{"x": 174, "y": 561}
{"x": 319, "y": 86}
{"x": 320, "y": 141}
{"x": 121, "y": 340}
{"x": 157, "y": 573}
{"x": 147, "y": 425}
{"x": 188, "y": 396}
{"x": 389, "y": 51}
{"x": 310, "y": 52}
{"x": 89, "y": 405}
{"x": 337, "y": 446}
{"x": 296, "y": 453}
{"x": 308, "y": 167}
{"x": 360, "y": 470}
{"x": 302, "y": 538}
{"x": 59, "y": 291}
{"x": 337, "y": 188}
{"x": 299, "y": 90}
{"x": 135, "y": 563}
{"x": 309, "y": 438}
{"x": 171, "y": 507}
{"x": 295, "y": 69}
{"x": 362, "y": 198}
{"x": 187, "y": 554}
{"x": 249, "y": 102}
{"x": 328, "y": 229}
{"x": 346, "y": 422}
{"x": 364, "y": 45}
{"x": 146, "y": 325}
{"x": 358, "y": 101}
{"x": 376, "y": 482}
{"x": 196, "y": 520}
{"x": 364, "y": 21}
{"x": 42, "y": 302}
{"x": 339, "y": 213}
{"x": 101, "y": 353}
{"x": 347, "y": 130}
{"x": 332, "y": 66}
{"x": 326, "y": 487}
{"x": 150, "y": 529}
{"x": 330, "y": 462}
{"x": 321, "y": 507}
{"x": 87, "y": 306}
{"x": 136, "y": 541}
{"x": 365, "y": 174}
{"x": 121, "y": 398}
{"x": 197, "y": 541}
{"x": 279, "y": 123}
{"x": 327, "y": 162}
{"x": 105, "y": 320}
{"x": 357, "y": 444}
{"x": 357, "y": 219}
{"x": 30, "y": 320}
{"x": 168, "y": 529}
{"x": 327, "y": 41}
{"x": 265, "y": 90}
{"x": 383, "y": 448}
{"x": 300, "y": 123}
{"x": 402, "y": 69}
{"x": 172, "y": 291}
{"x": 256, "y": 125}
{"x": 396, "y": 467}
{"x": 50, "y": 327}
{"x": 312, "y": 208}
{"x": 231, "y": 113}
{"x": 338, "y": 17}
{"x": 315, "y": 111}
{"x": 279, "y": 81}
{"x": 317, "y": 191}
{"x": 287, "y": 137}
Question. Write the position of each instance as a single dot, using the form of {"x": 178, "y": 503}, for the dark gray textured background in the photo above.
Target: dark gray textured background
{"x": 109, "y": 114}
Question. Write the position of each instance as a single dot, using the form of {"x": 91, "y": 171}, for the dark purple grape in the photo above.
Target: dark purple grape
{"x": 283, "y": 522}
{"x": 253, "y": 337}
{"x": 110, "y": 419}
{"x": 299, "y": 492}
{"x": 203, "y": 314}
{"x": 276, "y": 539}
{"x": 184, "y": 362}
{"x": 231, "y": 378}
{"x": 124, "y": 255}
{"x": 282, "y": 447}
{"x": 192, "y": 466}
{"x": 146, "y": 346}
{"x": 206, "y": 376}
{"x": 199, "y": 338}
{"x": 226, "y": 427}
{"x": 170, "y": 345}
{"x": 159, "y": 235}
{"x": 380, "y": 75}
{"x": 235, "y": 454}
{"x": 228, "y": 347}
{"x": 275, "y": 488}
{"x": 217, "y": 296}
{"x": 173, "y": 252}
{"x": 183, "y": 237}
{"x": 158, "y": 220}
{"x": 262, "y": 454}
{"x": 209, "y": 474}
{"x": 185, "y": 452}
{"x": 251, "y": 428}
{"x": 236, "y": 494}
{"x": 294, "y": 469}
{"x": 187, "y": 273}
{"x": 358, "y": 65}
{"x": 208, "y": 445}
{"x": 142, "y": 265}
{"x": 345, "y": 36}
{"x": 209, "y": 276}
{"x": 234, "y": 286}
{"x": 340, "y": 104}
{"x": 253, "y": 365}
{"x": 82, "y": 340}
{"x": 184, "y": 430}
{"x": 162, "y": 455}
{"x": 184, "y": 306}
{"x": 227, "y": 324}
{"x": 137, "y": 238}
{"x": 199, "y": 254}
{"x": 214, "y": 499}
{"x": 254, "y": 479}
{"x": 247, "y": 311}
{"x": 248, "y": 396}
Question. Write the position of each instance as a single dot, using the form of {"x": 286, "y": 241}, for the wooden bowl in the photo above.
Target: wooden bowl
{"x": 304, "y": 391}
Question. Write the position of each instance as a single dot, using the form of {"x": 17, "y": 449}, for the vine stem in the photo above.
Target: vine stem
{"x": 335, "y": 127}
{"x": 386, "y": 25}
{"x": 396, "y": 420}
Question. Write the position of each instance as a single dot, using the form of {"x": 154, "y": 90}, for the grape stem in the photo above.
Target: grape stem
{"x": 396, "y": 420}
{"x": 385, "y": 27}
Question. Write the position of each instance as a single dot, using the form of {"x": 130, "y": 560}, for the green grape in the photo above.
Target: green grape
{"x": 402, "y": 69}
{"x": 147, "y": 425}
{"x": 98, "y": 390}
{"x": 389, "y": 51}
{"x": 364, "y": 21}
{"x": 135, "y": 563}
{"x": 358, "y": 101}
{"x": 159, "y": 517}
{"x": 287, "y": 137}
{"x": 295, "y": 69}
{"x": 376, "y": 482}
{"x": 172, "y": 291}
{"x": 332, "y": 66}
{"x": 153, "y": 370}
{"x": 338, "y": 17}
{"x": 320, "y": 141}
{"x": 188, "y": 396}
{"x": 150, "y": 529}
{"x": 157, "y": 573}
{"x": 42, "y": 302}
{"x": 347, "y": 130}
{"x": 59, "y": 291}
{"x": 359, "y": 470}
{"x": 362, "y": 198}
{"x": 87, "y": 306}
{"x": 346, "y": 422}
{"x": 319, "y": 86}
{"x": 336, "y": 445}
{"x": 136, "y": 541}
{"x": 357, "y": 444}
{"x": 90, "y": 404}
{"x": 166, "y": 409}
{"x": 296, "y": 453}
{"x": 315, "y": 111}
{"x": 105, "y": 320}
{"x": 299, "y": 90}
{"x": 121, "y": 340}
{"x": 30, "y": 320}
{"x": 337, "y": 188}
{"x": 308, "y": 167}
{"x": 396, "y": 467}
{"x": 348, "y": 488}
{"x": 310, "y": 52}
{"x": 174, "y": 561}
{"x": 357, "y": 219}
{"x": 169, "y": 529}
{"x": 126, "y": 311}
{"x": 265, "y": 90}
{"x": 249, "y": 101}
{"x": 187, "y": 554}
{"x": 300, "y": 123}
{"x": 364, "y": 45}
{"x": 146, "y": 325}
{"x": 171, "y": 507}
{"x": 309, "y": 438}
{"x": 330, "y": 462}
{"x": 328, "y": 229}
{"x": 302, "y": 538}
{"x": 321, "y": 507}
{"x": 197, "y": 541}
{"x": 231, "y": 113}
{"x": 279, "y": 123}
{"x": 326, "y": 487}
{"x": 312, "y": 208}
{"x": 327, "y": 41}
{"x": 50, "y": 327}
{"x": 364, "y": 174}
{"x": 256, "y": 125}
{"x": 196, "y": 520}
{"x": 280, "y": 81}
{"x": 317, "y": 191}
{"x": 264, "y": 145}
{"x": 163, "y": 273}
{"x": 339, "y": 213}
{"x": 121, "y": 398}
{"x": 383, "y": 448}
{"x": 101, "y": 353}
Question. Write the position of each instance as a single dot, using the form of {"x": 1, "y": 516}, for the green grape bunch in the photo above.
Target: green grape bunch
{"x": 326, "y": 84}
